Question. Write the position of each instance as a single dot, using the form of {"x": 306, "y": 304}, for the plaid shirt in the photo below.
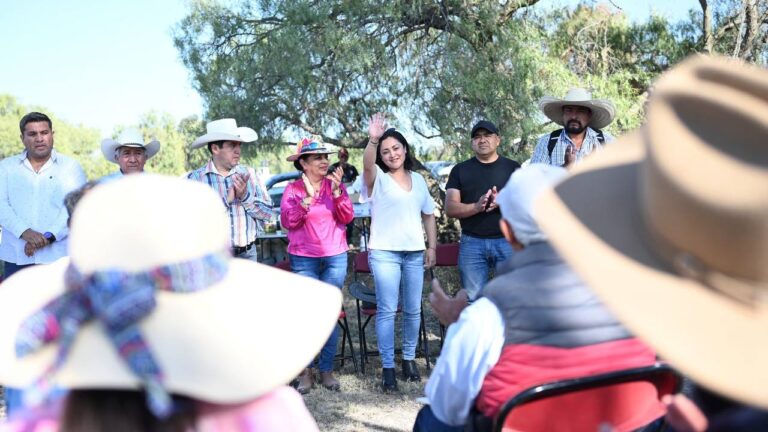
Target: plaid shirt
{"x": 247, "y": 216}
{"x": 590, "y": 144}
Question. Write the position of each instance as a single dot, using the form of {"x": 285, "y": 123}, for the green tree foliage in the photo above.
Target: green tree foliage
{"x": 324, "y": 67}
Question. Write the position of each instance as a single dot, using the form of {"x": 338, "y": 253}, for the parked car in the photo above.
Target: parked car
{"x": 276, "y": 186}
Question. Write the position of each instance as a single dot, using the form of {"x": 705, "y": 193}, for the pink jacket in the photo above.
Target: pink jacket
{"x": 319, "y": 231}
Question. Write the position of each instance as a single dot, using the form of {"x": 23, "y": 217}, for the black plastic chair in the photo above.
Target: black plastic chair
{"x": 592, "y": 403}
{"x": 346, "y": 336}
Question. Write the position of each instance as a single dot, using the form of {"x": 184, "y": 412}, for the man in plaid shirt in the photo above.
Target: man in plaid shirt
{"x": 242, "y": 193}
{"x": 582, "y": 119}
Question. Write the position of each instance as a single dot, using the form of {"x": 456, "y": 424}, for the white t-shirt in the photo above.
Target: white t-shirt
{"x": 396, "y": 213}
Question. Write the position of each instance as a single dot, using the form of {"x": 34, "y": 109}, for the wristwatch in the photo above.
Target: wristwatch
{"x": 49, "y": 236}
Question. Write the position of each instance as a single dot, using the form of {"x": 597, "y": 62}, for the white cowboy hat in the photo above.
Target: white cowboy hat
{"x": 225, "y": 130}
{"x": 670, "y": 225}
{"x": 227, "y": 342}
{"x": 129, "y": 137}
{"x": 603, "y": 111}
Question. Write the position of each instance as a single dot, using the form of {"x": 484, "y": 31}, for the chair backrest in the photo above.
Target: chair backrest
{"x": 617, "y": 401}
{"x": 447, "y": 255}
{"x": 360, "y": 263}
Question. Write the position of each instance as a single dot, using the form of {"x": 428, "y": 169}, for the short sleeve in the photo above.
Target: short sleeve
{"x": 428, "y": 204}
{"x": 454, "y": 180}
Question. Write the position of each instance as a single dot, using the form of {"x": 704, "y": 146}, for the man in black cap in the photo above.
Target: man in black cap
{"x": 471, "y": 197}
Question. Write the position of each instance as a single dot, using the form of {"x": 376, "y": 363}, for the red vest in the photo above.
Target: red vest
{"x": 523, "y": 366}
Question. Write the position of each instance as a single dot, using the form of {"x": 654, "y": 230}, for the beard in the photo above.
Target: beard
{"x": 574, "y": 127}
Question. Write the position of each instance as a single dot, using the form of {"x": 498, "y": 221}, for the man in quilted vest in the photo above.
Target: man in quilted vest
{"x": 536, "y": 322}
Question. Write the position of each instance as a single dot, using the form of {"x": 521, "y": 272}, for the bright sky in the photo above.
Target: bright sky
{"x": 105, "y": 63}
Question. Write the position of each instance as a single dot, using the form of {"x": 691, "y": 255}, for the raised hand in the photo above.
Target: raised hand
{"x": 377, "y": 126}
{"x": 447, "y": 309}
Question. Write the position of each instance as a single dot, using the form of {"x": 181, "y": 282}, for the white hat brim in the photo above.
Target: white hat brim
{"x": 110, "y": 146}
{"x": 244, "y": 135}
{"x": 603, "y": 111}
{"x": 229, "y": 343}
{"x": 713, "y": 339}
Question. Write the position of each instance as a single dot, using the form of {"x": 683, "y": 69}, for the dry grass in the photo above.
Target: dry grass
{"x": 361, "y": 405}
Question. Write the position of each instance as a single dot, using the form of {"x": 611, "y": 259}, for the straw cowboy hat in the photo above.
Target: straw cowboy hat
{"x": 310, "y": 146}
{"x": 214, "y": 326}
{"x": 670, "y": 225}
{"x": 603, "y": 110}
{"x": 224, "y": 130}
{"x": 128, "y": 138}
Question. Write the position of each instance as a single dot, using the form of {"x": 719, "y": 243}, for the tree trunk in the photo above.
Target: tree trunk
{"x": 706, "y": 26}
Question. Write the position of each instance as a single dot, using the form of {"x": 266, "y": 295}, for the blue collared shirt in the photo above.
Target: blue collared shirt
{"x": 590, "y": 144}
{"x": 35, "y": 200}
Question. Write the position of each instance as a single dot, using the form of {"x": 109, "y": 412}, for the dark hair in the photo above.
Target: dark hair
{"x": 34, "y": 117}
{"x": 71, "y": 199}
{"x": 216, "y": 143}
{"x": 90, "y": 410}
{"x": 393, "y": 133}
{"x": 297, "y": 163}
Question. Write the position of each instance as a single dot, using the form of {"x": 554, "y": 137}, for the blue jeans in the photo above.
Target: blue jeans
{"x": 331, "y": 270}
{"x": 477, "y": 257}
{"x": 427, "y": 422}
{"x": 390, "y": 270}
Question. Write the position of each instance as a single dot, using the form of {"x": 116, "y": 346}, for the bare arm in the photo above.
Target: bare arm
{"x": 456, "y": 209}
{"x": 431, "y": 229}
{"x": 376, "y": 128}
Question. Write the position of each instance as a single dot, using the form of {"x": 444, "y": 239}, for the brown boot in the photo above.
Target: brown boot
{"x": 329, "y": 382}
{"x": 306, "y": 381}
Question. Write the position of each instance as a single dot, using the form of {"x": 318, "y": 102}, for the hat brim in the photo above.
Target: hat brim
{"x": 603, "y": 111}
{"x": 229, "y": 343}
{"x": 296, "y": 156}
{"x": 244, "y": 135}
{"x": 594, "y": 219}
{"x": 109, "y": 146}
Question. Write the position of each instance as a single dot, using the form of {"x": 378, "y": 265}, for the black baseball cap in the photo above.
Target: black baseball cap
{"x": 484, "y": 124}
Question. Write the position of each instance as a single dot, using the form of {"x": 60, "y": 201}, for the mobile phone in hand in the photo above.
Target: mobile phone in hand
{"x": 488, "y": 202}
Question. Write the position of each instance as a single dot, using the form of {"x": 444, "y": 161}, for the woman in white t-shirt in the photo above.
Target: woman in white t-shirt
{"x": 400, "y": 205}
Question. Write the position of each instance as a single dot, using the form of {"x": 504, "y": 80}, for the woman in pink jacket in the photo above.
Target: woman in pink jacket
{"x": 315, "y": 210}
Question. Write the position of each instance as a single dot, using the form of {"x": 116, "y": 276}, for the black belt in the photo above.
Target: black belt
{"x": 237, "y": 250}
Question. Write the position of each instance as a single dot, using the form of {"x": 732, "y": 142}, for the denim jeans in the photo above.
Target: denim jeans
{"x": 427, "y": 422}
{"x": 390, "y": 270}
{"x": 477, "y": 257}
{"x": 331, "y": 270}
{"x": 11, "y": 268}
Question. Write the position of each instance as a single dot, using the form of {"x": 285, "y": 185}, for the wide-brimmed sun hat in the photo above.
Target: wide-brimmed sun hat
{"x": 313, "y": 145}
{"x": 129, "y": 137}
{"x": 163, "y": 304}
{"x": 224, "y": 130}
{"x": 669, "y": 225}
{"x": 603, "y": 111}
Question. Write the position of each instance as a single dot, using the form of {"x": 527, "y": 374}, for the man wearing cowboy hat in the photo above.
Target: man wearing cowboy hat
{"x": 128, "y": 151}
{"x": 535, "y": 322}
{"x": 240, "y": 188}
{"x": 582, "y": 119}
{"x": 680, "y": 255}
{"x": 470, "y": 196}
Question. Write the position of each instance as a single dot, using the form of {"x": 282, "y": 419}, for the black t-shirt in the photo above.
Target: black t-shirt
{"x": 350, "y": 172}
{"x": 473, "y": 178}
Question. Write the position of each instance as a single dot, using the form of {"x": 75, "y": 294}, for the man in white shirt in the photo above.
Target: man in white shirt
{"x": 32, "y": 189}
